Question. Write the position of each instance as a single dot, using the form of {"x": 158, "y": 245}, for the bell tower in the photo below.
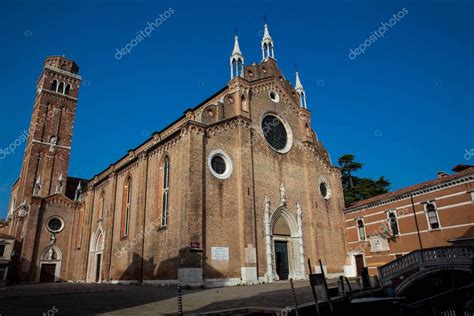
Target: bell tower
{"x": 48, "y": 148}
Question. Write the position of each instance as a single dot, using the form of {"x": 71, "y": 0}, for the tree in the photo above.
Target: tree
{"x": 355, "y": 188}
{"x": 348, "y": 165}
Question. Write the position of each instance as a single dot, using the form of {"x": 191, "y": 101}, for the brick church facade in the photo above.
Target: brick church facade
{"x": 239, "y": 190}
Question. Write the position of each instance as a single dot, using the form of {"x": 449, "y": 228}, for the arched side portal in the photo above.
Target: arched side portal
{"x": 284, "y": 245}
{"x": 95, "y": 257}
{"x": 49, "y": 265}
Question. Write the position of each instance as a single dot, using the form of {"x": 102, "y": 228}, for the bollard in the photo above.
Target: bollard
{"x": 349, "y": 287}
{"x": 313, "y": 284}
{"x": 341, "y": 282}
{"x": 294, "y": 296}
{"x": 180, "y": 300}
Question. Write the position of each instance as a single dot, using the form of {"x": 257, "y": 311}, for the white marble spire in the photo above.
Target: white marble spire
{"x": 300, "y": 90}
{"x": 236, "y": 60}
{"x": 267, "y": 44}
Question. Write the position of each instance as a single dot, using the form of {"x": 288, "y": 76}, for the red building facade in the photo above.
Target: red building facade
{"x": 429, "y": 214}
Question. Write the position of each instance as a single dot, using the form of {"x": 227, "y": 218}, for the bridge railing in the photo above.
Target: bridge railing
{"x": 421, "y": 258}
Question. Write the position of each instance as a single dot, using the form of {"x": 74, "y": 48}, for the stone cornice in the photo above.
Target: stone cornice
{"x": 226, "y": 124}
{"x": 63, "y": 98}
{"x": 63, "y": 72}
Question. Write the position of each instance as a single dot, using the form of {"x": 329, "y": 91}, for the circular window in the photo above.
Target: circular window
{"x": 277, "y": 133}
{"x": 274, "y": 96}
{"x": 220, "y": 164}
{"x": 55, "y": 225}
{"x": 324, "y": 188}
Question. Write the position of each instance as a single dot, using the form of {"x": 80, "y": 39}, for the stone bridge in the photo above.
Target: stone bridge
{"x": 402, "y": 273}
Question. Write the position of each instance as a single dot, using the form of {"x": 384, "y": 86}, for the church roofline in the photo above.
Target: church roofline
{"x": 286, "y": 85}
{"x": 164, "y": 129}
{"x": 16, "y": 181}
{"x": 413, "y": 190}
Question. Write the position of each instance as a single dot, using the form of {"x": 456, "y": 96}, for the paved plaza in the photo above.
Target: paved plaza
{"x": 105, "y": 299}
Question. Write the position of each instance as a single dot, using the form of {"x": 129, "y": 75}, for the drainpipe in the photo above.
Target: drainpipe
{"x": 416, "y": 221}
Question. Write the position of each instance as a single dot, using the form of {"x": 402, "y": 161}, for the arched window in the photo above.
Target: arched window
{"x": 432, "y": 215}
{"x": 61, "y": 87}
{"x": 126, "y": 206}
{"x": 393, "y": 222}
{"x": 165, "y": 192}
{"x": 68, "y": 87}
{"x": 361, "y": 229}
{"x": 54, "y": 85}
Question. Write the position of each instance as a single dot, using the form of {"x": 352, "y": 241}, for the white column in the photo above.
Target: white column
{"x": 300, "y": 239}
{"x": 268, "y": 241}
{"x": 231, "y": 70}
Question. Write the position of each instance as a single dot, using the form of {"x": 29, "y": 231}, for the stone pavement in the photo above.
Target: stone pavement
{"x": 104, "y": 299}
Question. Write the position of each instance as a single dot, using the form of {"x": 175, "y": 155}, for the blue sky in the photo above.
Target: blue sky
{"x": 404, "y": 107}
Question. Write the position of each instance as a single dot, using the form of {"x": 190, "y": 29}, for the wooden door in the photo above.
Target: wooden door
{"x": 47, "y": 272}
{"x": 281, "y": 258}
{"x": 359, "y": 259}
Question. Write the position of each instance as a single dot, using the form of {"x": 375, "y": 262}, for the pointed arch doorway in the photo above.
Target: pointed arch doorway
{"x": 96, "y": 256}
{"x": 281, "y": 238}
{"x": 284, "y": 245}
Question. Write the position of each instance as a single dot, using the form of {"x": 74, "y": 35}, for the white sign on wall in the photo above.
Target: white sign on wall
{"x": 378, "y": 244}
{"x": 220, "y": 253}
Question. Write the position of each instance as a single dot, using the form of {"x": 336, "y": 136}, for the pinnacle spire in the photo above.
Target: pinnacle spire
{"x": 266, "y": 33}
{"x": 298, "y": 85}
{"x": 78, "y": 192}
{"x": 300, "y": 90}
{"x": 236, "y": 60}
{"x": 236, "y": 50}
{"x": 267, "y": 43}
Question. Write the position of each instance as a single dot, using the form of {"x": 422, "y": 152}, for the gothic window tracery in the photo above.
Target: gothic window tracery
{"x": 165, "y": 192}
{"x": 126, "y": 206}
